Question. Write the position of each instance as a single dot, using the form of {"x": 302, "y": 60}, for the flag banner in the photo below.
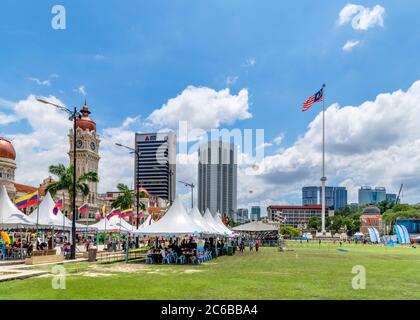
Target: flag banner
{"x": 58, "y": 205}
{"x": 126, "y": 213}
{"x": 102, "y": 214}
{"x": 28, "y": 200}
{"x": 114, "y": 212}
{"x": 84, "y": 208}
{"x": 225, "y": 221}
{"x": 139, "y": 216}
{"x": 317, "y": 97}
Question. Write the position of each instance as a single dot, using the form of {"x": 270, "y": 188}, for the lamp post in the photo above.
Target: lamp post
{"x": 74, "y": 115}
{"x": 136, "y": 179}
{"x": 192, "y": 186}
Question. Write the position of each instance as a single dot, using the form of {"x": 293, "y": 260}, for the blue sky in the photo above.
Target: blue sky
{"x": 131, "y": 57}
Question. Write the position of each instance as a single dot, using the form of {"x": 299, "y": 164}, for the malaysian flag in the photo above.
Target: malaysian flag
{"x": 317, "y": 97}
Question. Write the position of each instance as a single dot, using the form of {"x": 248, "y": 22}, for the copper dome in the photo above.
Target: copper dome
{"x": 6, "y": 149}
{"x": 85, "y": 122}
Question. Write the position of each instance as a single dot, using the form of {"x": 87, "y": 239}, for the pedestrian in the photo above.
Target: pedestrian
{"x": 257, "y": 245}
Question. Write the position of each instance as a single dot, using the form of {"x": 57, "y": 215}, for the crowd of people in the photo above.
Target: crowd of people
{"x": 161, "y": 249}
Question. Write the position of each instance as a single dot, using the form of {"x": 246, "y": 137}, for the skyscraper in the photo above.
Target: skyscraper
{"x": 335, "y": 197}
{"x": 367, "y": 195}
{"x": 217, "y": 177}
{"x": 241, "y": 216}
{"x": 391, "y": 197}
{"x": 255, "y": 213}
{"x": 309, "y": 195}
{"x": 340, "y": 198}
{"x": 156, "y": 166}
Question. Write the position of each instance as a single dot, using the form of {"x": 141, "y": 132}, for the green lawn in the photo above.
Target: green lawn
{"x": 308, "y": 272}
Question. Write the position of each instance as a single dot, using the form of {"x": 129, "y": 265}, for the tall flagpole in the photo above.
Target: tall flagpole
{"x": 323, "y": 179}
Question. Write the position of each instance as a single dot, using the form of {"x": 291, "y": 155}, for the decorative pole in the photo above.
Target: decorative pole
{"x": 323, "y": 179}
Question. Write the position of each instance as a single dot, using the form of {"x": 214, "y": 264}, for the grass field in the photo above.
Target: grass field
{"x": 307, "y": 272}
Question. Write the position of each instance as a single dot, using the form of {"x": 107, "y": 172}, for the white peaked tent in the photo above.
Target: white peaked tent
{"x": 147, "y": 222}
{"x": 46, "y": 217}
{"x": 125, "y": 225}
{"x": 218, "y": 218}
{"x": 200, "y": 221}
{"x": 111, "y": 225}
{"x": 210, "y": 221}
{"x": 175, "y": 221}
{"x": 10, "y": 215}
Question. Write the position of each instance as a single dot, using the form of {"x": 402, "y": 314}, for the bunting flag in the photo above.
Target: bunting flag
{"x": 225, "y": 222}
{"x": 126, "y": 213}
{"x": 84, "y": 208}
{"x": 58, "y": 205}
{"x": 28, "y": 200}
{"x": 114, "y": 212}
{"x": 102, "y": 214}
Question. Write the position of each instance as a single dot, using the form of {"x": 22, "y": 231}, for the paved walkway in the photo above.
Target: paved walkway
{"x": 23, "y": 271}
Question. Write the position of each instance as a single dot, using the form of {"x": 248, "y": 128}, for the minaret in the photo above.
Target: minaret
{"x": 87, "y": 155}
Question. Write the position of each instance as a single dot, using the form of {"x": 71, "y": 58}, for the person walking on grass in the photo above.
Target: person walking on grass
{"x": 257, "y": 245}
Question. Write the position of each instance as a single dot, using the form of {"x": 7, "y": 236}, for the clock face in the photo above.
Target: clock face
{"x": 79, "y": 144}
{"x": 93, "y": 146}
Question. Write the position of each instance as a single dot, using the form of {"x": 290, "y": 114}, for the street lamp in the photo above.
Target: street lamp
{"x": 192, "y": 186}
{"x": 136, "y": 180}
{"x": 74, "y": 115}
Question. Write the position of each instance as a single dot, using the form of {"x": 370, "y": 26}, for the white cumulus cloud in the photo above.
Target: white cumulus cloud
{"x": 362, "y": 18}
{"x": 203, "y": 108}
{"x": 350, "y": 45}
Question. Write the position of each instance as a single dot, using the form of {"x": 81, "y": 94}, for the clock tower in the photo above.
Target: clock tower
{"x": 87, "y": 157}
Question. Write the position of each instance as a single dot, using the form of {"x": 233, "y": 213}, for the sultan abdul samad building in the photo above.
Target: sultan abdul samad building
{"x": 87, "y": 155}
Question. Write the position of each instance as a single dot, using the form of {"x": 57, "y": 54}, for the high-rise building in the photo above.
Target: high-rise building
{"x": 156, "y": 167}
{"x": 391, "y": 197}
{"x": 329, "y": 196}
{"x": 241, "y": 216}
{"x": 340, "y": 198}
{"x": 367, "y": 195}
{"x": 310, "y": 195}
{"x": 335, "y": 197}
{"x": 217, "y": 177}
{"x": 255, "y": 213}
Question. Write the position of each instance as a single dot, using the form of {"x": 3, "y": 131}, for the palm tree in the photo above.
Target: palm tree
{"x": 125, "y": 199}
{"x": 65, "y": 181}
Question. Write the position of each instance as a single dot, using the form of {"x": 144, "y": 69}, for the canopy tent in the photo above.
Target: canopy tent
{"x": 125, "y": 225}
{"x": 212, "y": 223}
{"x": 111, "y": 225}
{"x": 10, "y": 216}
{"x": 44, "y": 216}
{"x": 257, "y": 230}
{"x": 218, "y": 219}
{"x": 201, "y": 222}
{"x": 255, "y": 226}
{"x": 176, "y": 221}
{"x": 149, "y": 221}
